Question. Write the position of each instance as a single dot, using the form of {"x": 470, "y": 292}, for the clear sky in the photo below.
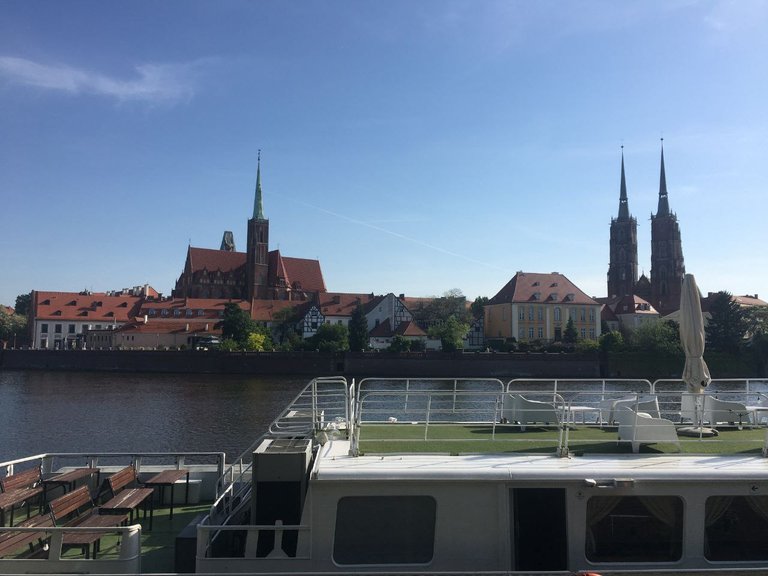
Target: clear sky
{"x": 411, "y": 147}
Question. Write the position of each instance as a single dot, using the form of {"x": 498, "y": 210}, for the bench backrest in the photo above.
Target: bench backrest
{"x": 71, "y": 502}
{"x": 25, "y": 479}
{"x": 121, "y": 479}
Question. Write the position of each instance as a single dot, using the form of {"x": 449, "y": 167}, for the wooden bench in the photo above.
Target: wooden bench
{"x": 124, "y": 499}
{"x": 76, "y": 510}
{"x": 12, "y": 541}
{"x": 20, "y": 488}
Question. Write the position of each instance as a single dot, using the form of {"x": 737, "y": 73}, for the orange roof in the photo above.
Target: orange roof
{"x": 84, "y": 306}
{"x": 341, "y": 303}
{"x": 409, "y": 328}
{"x": 554, "y": 288}
{"x": 305, "y": 272}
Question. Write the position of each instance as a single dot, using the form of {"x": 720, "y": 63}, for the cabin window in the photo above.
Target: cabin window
{"x": 385, "y": 530}
{"x": 736, "y": 528}
{"x": 634, "y": 528}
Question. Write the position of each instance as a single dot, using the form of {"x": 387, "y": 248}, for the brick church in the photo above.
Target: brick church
{"x": 257, "y": 274}
{"x": 663, "y": 288}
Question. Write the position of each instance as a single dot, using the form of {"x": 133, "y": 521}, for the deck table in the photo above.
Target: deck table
{"x": 168, "y": 478}
{"x": 68, "y": 480}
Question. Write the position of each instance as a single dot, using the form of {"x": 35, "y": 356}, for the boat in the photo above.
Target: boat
{"x": 459, "y": 476}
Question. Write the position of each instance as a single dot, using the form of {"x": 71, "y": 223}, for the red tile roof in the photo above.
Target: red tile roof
{"x": 409, "y": 328}
{"x": 212, "y": 260}
{"x": 341, "y": 303}
{"x": 552, "y": 288}
{"x": 83, "y": 307}
{"x": 382, "y": 330}
{"x": 304, "y": 273}
{"x": 265, "y": 310}
{"x": 162, "y": 326}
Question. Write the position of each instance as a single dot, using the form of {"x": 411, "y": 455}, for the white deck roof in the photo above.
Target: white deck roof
{"x": 335, "y": 464}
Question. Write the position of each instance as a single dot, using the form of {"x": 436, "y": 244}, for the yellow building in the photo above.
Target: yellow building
{"x": 537, "y": 307}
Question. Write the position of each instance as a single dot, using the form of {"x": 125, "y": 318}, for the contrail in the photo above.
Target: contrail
{"x": 401, "y": 236}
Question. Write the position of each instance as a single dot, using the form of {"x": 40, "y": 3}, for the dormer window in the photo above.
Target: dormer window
{"x": 176, "y": 313}
{"x": 152, "y": 312}
{"x": 537, "y": 295}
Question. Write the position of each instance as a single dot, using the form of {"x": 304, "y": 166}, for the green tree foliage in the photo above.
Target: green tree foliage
{"x": 727, "y": 325}
{"x": 451, "y": 333}
{"x": 23, "y": 302}
{"x": 256, "y": 342}
{"x": 358, "y": 331}
{"x": 570, "y": 336}
{"x": 658, "y": 337}
{"x": 284, "y": 328}
{"x": 477, "y": 306}
{"x": 611, "y": 342}
{"x": 399, "y": 344}
{"x": 12, "y": 326}
{"x": 330, "y": 338}
{"x": 452, "y": 304}
{"x": 756, "y": 319}
{"x": 237, "y": 324}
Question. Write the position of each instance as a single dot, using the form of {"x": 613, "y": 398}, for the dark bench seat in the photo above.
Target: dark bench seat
{"x": 76, "y": 509}
{"x": 19, "y": 489}
{"x": 125, "y": 498}
{"x": 11, "y": 542}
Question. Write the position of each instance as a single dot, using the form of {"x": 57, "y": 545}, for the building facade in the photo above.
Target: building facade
{"x": 534, "y": 306}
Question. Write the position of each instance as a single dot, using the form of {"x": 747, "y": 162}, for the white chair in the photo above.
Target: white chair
{"x": 718, "y": 411}
{"x": 642, "y": 428}
{"x": 521, "y": 410}
{"x": 642, "y": 403}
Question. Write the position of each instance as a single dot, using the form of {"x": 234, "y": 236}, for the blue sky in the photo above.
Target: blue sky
{"x": 412, "y": 147}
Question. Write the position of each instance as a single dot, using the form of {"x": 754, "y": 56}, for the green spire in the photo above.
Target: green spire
{"x": 258, "y": 212}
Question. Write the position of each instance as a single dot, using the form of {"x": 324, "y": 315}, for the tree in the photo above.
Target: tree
{"x": 399, "y": 344}
{"x": 256, "y": 342}
{"x": 727, "y": 325}
{"x": 331, "y": 338}
{"x": 284, "y": 327}
{"x": 451, "y": 333}
{"x": 237, "y": 324}
{"x": 358, "y": 330}
{"x": 452, "y": 303}
{"x": 611, "y": 342}
{"x": 477, "y": 306}
{"x": 570, "y": 335}
{"x": 657, "y": 337}
{"x": 12, "y": 326}
{"x": 23, "y": 302}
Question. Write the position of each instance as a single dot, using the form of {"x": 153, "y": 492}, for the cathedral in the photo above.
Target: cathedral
{"x": 257, "y": 274}
{"x": 663, "y": 289}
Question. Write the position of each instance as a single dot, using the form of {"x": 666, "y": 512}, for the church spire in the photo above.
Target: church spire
{"x": 663, "y": 200}
{"x": 258, "y": 212}
{"x": 623, "y": 202}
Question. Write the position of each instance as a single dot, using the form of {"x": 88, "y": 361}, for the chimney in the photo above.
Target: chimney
{"x": 402, "y": 296}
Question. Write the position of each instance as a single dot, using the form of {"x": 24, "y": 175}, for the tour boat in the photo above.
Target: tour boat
{"x": 453, "y": 476}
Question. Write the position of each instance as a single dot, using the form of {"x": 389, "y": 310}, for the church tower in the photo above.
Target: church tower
{"x": 667, "y": 266}
{"x": 622, "y": 269}
{"x": 257, "y": 263}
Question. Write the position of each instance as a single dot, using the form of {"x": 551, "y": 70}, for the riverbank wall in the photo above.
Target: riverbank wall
{"x": 351, "y": 364}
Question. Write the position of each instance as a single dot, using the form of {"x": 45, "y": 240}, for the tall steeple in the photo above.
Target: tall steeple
{"x": 663, "y": 200}
{"x": 257, "y": 258}
{"x": 623, "y": 202}
{"x": 258, "y": 212}
{"x": 622, "y": 268}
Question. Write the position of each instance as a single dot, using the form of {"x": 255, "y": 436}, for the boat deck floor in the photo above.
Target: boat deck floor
{"x": 582, "y": 439}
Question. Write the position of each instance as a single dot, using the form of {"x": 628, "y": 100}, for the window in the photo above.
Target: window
{"x": 201, "y": 312}
{"x": 583, "y": 314}
{"x": 71, "y": 329}
{"x": 189, "y": 312}
{"x": 530, "y": 333}
{"x": 384, "y": 530}
{"x": 530, "y": 312}
{"x": 152, "y": 312}
{"x": 164, "y": 313}
{"x": 583, "y": 333}
{"x": 736, "y": 528}
{"x": 592, "y": 333}
{"x": 540, "y": 313}
{"x": 44, "y": 328}
{"x": 521, "y": 313}
{"x": 176, "y": 313}
{"x": 541, "y": 332}
{"x": 557, "y": 315}
{"x": 634, "y": 529}
{"x": 591, "y": 314}
{"x": 57, "y": 328}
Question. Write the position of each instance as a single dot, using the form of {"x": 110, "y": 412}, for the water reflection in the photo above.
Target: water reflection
{"x": 105, "y": 412}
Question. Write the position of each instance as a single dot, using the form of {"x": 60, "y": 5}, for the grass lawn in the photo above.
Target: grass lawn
{"x": 582, "y": 439}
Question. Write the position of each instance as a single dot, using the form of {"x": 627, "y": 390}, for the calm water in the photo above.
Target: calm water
{"x": 105, "y": 412}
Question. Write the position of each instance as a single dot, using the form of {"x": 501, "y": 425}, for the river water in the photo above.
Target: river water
{"x": 108, "y": 412}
